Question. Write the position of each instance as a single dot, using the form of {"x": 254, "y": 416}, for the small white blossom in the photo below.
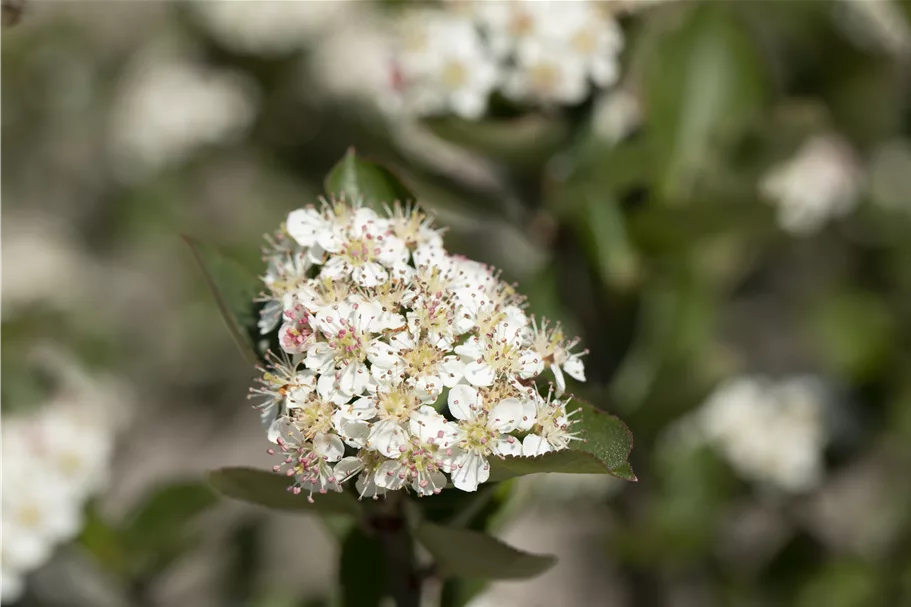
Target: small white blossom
{"x": 742, "y": 414}
{"x": 170, "y": 107}
{"x": 821, "y": 181}
{"x": 54, "y": 458}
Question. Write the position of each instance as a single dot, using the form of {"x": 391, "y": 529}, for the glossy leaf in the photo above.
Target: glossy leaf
{"x": 464, "y": 553}
{"x": 268, "y": 489}
{"x": 234, "y": 289}
{"x": 360, "y": 179}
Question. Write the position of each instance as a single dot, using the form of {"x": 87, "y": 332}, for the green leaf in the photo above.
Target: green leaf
{"x": 705, "y": 82}
{"x": 234, "y": 289}
{"x": 357, "y": 178}
{"x": 624, "y": 471}
{"x": 362, "y": 570}
{"x": 526, "y": 141}
{"x": 853, "y": 332}
{"x": 464, "y": 553}
{"x": 163, "y": 514}
{"x": 607, "y": 444}
{"x": 266, "y": 488}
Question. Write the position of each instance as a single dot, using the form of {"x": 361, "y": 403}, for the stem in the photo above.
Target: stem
{"x": 391, "y": 529}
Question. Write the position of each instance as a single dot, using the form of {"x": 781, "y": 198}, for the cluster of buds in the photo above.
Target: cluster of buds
{"x": 401, "y": 365}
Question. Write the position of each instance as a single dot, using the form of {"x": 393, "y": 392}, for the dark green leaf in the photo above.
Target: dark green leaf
{"x": 624, "y": 471}
{"x": 704, "y": 83}
{"x": 526, "y": 141}
{"x": 359, "y": 179}
{"x": 471, "y": 554}
{"x": 362, "y": 570}
{"x": 234, "y": 289}
{"x": 163, "y": 514}
{"x": 266, "y": 488}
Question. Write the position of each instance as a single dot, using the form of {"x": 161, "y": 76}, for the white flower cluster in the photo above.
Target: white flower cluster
{"x": 533, "y": 52}
{"x": 412, "y": 362}
{"x": 770, "y": 432}
{"x": 53, "y": 460}
{"x": 821, "y": 181}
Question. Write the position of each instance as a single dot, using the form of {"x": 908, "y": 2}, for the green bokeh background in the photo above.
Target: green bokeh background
{"x": 657, "y": 251}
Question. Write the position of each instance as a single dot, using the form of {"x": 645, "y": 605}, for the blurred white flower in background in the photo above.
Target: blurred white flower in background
{"x": 616, "y": 115}
{"x": 54, "y": 458}
{"x": 56, "y": 273}
{"x": 270, "y": 27}
{"x": 443, "y": 64}
{"x": 168, "y": 107}
{"x": 771, "y": 432}
{"x": 821, "y": 181}
{"x": 534, "y": 52}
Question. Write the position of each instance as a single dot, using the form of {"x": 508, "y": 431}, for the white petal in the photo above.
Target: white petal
{"x": 427, "y": 388}
{"x": 304, "y": 225}
{"x": 508, "y": 445}
{"x": 558, "y": 379}
{"x": 452, "y": 370}
{"x": 328, "y": 446}
{"x": 353, "y": 379}
{"x": 347, "y": 468}
{"x": 530, "y": 364}
{"x": 275, "y": 430}
{"x": 470, "y": 470}
{"x": 390, "y": 475}
{"x": 506, "y": 416}
{"x": 320, "y": 358}
{"x": 388, "y": 438}
{"x": 370, "y": 274}
{"x": 575, "y": 368}
{"x": 361, "y": 409}
{"x": 463, "y": 402}
{"x": 383, "y": 355}
{"x": 534, "y": 445}
{"x": 529, "y": 414}
{"x": 479, "y": 374}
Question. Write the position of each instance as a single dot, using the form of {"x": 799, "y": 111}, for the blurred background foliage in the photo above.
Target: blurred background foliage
{"x": 657, "y": 249}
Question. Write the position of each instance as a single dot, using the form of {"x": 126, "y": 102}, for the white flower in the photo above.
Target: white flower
{"x": 364, "y": 250}
{"x": 552, "y": 428}
{"x": 821, "y": 181}
{"x": 54, "y": 457}
{"x": 556, "y": 352}
{"x": 365, "y": 465}
{"x": 741, "y": 415}
{"x": 543, "y": 74}
{"x": 482, "y": 433}
{"x": 350, "y": 334}
{"x": 445, "y": 65}
{"x": 491, "y": 357}
{"x": 423, "y": 461}
{"x": 170, "y": 107}
{"x": 309, "y": 462}
{"x": 280, "y": 382}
